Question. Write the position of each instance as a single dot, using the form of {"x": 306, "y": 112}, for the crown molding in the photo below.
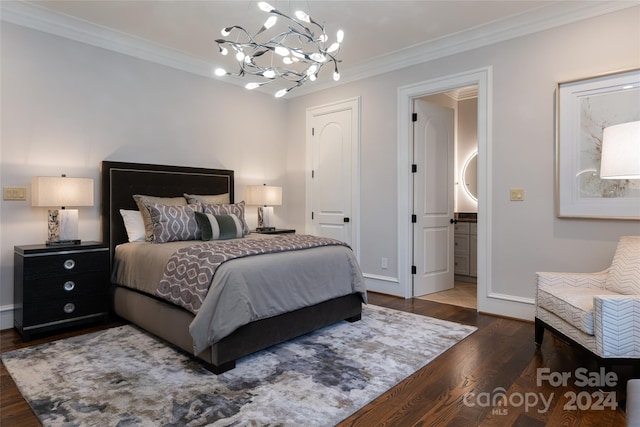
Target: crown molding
{"x": 542, "y": 18}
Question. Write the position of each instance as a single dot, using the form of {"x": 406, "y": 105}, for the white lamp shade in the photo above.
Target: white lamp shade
{"x": 621, "y": 151}
{"x": 54, "y": 191}
{"x": 263, "y": 195}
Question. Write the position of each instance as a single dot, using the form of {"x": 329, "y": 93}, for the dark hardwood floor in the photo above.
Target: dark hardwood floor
{"x": 456, "y": 389}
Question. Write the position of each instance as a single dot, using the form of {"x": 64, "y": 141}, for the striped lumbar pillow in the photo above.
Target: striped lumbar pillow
{"x": 219, "y": 227}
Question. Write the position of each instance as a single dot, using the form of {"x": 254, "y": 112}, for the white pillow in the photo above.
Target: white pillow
{"x": 134, "y": 225}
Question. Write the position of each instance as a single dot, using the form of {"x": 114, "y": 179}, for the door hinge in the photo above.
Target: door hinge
{"x": 313, "y": 174}
{"x": 311, "y": 216}
{"x": 414, "y": 117}
{"x": 414, "y": 270}
{"x": 313, "y": 131}
{"x": 414, "y": 168}
{"x": 414, "y": 218}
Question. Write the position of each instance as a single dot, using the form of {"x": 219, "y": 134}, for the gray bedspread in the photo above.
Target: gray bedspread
{"x": 247, "y": 289}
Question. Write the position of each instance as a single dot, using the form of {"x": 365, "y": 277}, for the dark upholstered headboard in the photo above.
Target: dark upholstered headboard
{"x": 120, "y": 181}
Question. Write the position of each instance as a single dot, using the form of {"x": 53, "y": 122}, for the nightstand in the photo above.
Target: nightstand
{"x": 276, "y": 231}
{"x": 59, "y": 286}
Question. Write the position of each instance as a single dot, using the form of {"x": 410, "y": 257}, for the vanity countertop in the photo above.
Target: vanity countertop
{"x": 466, "y": 216}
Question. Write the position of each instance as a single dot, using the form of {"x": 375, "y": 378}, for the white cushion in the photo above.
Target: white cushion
{"x": 572, "y": 304}
{"x": 624, "y": 273}
{"x": 134, "y": 225}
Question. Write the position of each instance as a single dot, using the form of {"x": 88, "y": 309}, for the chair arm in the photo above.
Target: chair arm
{"x": 617, "y": 325}
{"x": 582, "y": 280}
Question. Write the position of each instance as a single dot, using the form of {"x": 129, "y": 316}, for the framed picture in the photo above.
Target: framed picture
{"x": 584, "y": 109}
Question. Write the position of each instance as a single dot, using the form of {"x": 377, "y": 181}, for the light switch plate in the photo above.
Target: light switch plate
{"x": 516, "y": 194}
{"x": 14, "y": 193}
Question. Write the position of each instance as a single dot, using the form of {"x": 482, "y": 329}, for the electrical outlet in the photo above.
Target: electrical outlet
{"x": 14, "y": 193}
{"x": 384, "y": 263}
{"x": 516, "y": 194}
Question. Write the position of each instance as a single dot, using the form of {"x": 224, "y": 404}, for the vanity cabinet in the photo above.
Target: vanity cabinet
{"x": 465, "y": 249}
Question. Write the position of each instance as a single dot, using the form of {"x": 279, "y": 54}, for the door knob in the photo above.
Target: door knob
{"x": 346, "y": 219}
{"x": 453, "y": 221}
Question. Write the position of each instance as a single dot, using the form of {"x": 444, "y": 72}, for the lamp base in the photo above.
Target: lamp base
{"x": 62, "y": 226}
{"x": 265, "y": 218}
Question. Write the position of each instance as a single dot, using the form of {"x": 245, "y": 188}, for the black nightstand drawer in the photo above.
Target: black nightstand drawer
{"x": 46, "y": 288}
{"x": 64, "y": 309}
{"x": 66, "y": 264}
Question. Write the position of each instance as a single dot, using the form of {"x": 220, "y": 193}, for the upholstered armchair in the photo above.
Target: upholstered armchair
{"x": 599, "y": 311}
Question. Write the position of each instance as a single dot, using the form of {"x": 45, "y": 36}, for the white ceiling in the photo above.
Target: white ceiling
{"x": 379, "y": 35}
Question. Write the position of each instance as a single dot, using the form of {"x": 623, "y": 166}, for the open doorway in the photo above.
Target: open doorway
{"x": 406, "y": 96}
{"x": 462, "y": 287}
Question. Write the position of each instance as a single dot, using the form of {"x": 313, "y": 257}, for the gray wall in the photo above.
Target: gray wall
{"x": 68, "y": 106}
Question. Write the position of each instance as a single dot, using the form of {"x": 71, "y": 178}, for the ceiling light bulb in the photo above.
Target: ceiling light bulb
{"x": 302, "y": 16}
{"x": 240, "y": 56}
{"x": 282, "y": 51}
{"x": 270, "y": 22}
{"x": 312, "y": 69}
{"x": 334, "y": 47}
{"x": 323, "y": 38}
{"x": 297, "y": 53}
{"x": 313, "y": 77}
{"x": 287, "y": 60}
{"x": 281, "y": 93}
{"x": 340, "y": 36}
{"x": 252, "y": 85}
{"x": 220, "y": 72}
{"x": 318, "y": 57}
{"x": 263, "y": 5}
{"x": 336, "y": 76}
{"x": 223, "y": 50}
{"x": 269, "y": 74}
{"x": 226, "y": 31}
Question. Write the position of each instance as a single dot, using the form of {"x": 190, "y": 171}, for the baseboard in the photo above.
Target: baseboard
{"x": 6, "y": 316}
{"x": 384, "y": 285}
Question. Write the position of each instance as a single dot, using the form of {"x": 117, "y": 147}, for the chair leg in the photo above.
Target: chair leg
{"x": 539, "y": 333}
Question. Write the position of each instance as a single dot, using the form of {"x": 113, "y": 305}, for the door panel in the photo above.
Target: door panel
{"x": 331, "y": 183}
{"x": 433, "y": 198}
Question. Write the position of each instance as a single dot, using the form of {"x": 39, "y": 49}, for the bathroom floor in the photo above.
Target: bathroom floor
{"x": 463, "y": 294}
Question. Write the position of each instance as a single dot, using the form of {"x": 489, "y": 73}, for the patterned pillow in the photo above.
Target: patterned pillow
{"x": 236, "y": 209}
{"x": 174, "y": 223}
{"x": 207, "y": 199}
{"x": 143, "y": 201}
{"x": 219, "y": 227}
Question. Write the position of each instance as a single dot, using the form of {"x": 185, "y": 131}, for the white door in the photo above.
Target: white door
{"x": 333, "y": 183}
{"x": 433, "y": 198}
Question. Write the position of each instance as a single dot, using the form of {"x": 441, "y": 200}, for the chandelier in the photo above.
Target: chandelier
{"x": 294, "y": 56}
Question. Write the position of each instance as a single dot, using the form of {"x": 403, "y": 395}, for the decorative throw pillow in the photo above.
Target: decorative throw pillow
{"x": 236, "y": 209}
{"x": 219, "y": 227}
{"x": 174, "y": 223}
{"x": 134, "y": 225}
{"x": 143, "y": 201}
{"x": 215, "y": 199}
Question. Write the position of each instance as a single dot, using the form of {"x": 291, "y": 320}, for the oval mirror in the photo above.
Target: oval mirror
{"x": 470, "y": 176}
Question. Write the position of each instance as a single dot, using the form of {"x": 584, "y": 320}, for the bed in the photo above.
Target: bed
{"x": 120, "y": 181}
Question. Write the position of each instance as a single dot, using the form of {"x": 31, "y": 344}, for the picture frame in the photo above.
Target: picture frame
{"x": 583, "y": 109}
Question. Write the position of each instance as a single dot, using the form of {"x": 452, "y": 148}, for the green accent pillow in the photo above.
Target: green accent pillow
{"x": 219, "y": 227}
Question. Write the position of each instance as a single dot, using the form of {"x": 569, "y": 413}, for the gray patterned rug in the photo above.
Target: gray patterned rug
{"x": 124, "y": 377}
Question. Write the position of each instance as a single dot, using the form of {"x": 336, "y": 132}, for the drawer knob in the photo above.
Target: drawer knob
{"x": 69, "y": 286}
{"x": 69, "y": 307}
{"x": 69, "y": 264}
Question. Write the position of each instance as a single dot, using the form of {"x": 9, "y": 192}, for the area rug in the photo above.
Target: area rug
{"x": 125, "y": 377}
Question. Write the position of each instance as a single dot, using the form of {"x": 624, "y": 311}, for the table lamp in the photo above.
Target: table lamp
{"x": 620, "y": 157}
{"x": 50, "y": 191}
{"x": 266, "y": 196}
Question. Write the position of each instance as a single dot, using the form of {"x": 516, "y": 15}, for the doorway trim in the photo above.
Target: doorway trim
{"x": 352, "y": 104}
{"x": 483, "y": 79}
